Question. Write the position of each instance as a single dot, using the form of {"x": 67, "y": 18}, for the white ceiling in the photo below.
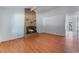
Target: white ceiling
{"x": 42, "y": 9}
{"x": 37, "y": 8}
{"x": 17, "y": 7}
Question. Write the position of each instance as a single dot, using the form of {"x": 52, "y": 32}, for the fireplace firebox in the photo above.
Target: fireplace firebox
{"x": 31, "y": 29}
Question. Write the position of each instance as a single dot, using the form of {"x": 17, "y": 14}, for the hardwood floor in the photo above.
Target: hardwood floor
{"x": 39, "y": 43}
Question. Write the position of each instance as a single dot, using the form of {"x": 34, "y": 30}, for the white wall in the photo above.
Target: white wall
{"x": 55, "y": 25}
{"x": 40, "y": 23}
{"x": 11, "y": 23}
{"x": 52, "y": 22}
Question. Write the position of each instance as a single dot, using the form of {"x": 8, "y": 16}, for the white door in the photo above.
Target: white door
{"x": 71, "y": 26}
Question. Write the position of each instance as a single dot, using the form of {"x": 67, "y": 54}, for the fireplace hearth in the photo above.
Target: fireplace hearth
{"x": 31, "y": 29}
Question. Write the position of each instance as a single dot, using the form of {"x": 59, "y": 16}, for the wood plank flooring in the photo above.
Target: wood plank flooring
{"x": 38, "y": 43}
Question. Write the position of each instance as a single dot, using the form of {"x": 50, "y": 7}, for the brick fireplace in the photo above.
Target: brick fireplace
{"x": 30, "y": 20}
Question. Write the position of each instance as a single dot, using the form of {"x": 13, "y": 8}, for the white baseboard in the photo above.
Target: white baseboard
{"x": 53, "y": 33}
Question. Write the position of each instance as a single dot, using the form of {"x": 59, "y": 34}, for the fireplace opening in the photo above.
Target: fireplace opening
{"x": 31, "y": 29}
